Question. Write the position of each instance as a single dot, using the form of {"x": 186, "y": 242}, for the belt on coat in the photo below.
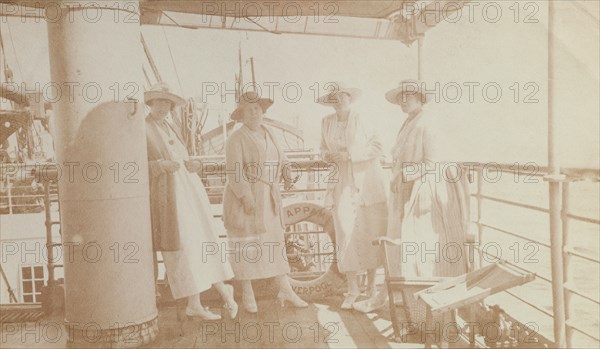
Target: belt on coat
{"x": 275, "y": 199}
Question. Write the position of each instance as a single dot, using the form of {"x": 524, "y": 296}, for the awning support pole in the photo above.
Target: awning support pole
{"x": 554, "y": 179}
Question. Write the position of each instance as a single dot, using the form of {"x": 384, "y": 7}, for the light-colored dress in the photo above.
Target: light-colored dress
{"x": 357, "y": 221}
{"x": 430, "y": 212}
{"x": 192, "y": 270}
{"x": 262, "y": 255}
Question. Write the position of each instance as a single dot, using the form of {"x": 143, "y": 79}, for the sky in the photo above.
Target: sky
{"x": 506, "y": 54}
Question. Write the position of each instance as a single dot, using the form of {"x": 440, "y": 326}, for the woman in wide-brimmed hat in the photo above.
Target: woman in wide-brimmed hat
{"x": 357, "y": 196}
{"x": 429, "y": 205}
{"x": 252, "y": 207}
{"x": 182, "y": 221}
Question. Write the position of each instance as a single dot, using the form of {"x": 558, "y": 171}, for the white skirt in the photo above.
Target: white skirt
{"x": 201, "y": 261}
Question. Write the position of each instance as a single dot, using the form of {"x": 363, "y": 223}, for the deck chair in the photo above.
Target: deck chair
{"x": 415, "y": 310}
{"x": 433, "y": 301}
{"x": 470, "y": 288}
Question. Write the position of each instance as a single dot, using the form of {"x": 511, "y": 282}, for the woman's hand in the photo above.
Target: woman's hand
{"x": 169, "y": 166}
{"x": 338, "y": 157}
{"x": 288, "y": 180}
{"x": 249, "y": 205}
{"x": 396, "y": 182}
{"x": 288, "y": 184}
{"x": 193, "y": 166}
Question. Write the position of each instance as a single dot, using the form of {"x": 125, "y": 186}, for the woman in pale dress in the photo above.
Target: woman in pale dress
{"x": 429, "y": 204}
{"x": 357, "y": 195}
{"x": 252, "y": 207}
{"x": 182, "y": 222}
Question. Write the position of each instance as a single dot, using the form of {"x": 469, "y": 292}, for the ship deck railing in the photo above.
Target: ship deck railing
{"x": 483, "y": 180}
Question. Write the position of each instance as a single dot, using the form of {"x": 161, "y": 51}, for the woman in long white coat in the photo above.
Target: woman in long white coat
{"x": 429, "y": 204}
{"x": 182, "y": 222}
{"x": 357, "y": 195}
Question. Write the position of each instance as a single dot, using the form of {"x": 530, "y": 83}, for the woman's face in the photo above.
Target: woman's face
{"x": 160, "y": 108}
{"x": 253, "y": 116}
{"x": 342, "y": 101}
{"x": 409, "y": 102}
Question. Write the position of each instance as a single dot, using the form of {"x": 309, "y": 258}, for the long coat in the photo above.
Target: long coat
{"x": 163, "y": 207}
{"x": 356, "y": 193}
{"x": 431, "y": 208}
{"x": 244, "y": 159}
{"x": 365, "y": 150}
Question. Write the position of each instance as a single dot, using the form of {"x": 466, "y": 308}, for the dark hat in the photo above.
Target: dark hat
{"x": 249, "y": 98}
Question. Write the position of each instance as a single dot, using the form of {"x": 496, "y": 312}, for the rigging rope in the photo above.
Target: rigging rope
{"x": 173, "y": 60}
{"x": 12, "y": 42}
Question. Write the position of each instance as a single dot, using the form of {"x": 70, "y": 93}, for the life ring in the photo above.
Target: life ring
{"x": 331, "y": 279}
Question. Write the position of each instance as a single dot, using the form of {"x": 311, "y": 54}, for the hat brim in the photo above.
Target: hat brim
{"x": 238, "y": 113}
{"x": 392, "y": 95}
{"x": 173, "y": 98}
{"x": 327, "y": 99}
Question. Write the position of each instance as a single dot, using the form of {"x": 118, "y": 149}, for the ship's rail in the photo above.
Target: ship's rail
{"x": 486, "y": 175}
{"x": 536, "y": 175}
{"x": 483, "y": 178}
{"x": 20, "y": 192}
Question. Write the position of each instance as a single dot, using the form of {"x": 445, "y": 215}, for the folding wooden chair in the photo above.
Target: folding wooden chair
{"x": 471, "y": 288}
{"x": 432, "y": 302}
{"x": 415, "y": 310}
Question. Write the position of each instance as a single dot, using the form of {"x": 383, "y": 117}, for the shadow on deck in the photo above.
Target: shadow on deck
{"x": 321, "y": 325}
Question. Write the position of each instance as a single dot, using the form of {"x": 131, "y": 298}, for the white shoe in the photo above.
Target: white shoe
{"x": 204, "y": 314}
{"x": 291, "y": 297}
{"x": 370, "y": 305}
{"x": 349, "y": 301}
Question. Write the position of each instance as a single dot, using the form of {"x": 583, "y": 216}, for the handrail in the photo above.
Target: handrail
{"x": 530, "y": 169}
{"x": 214, "y": 166}
{"x": 563, "y": 287}
{"x": 540, "y": 309}
{"x": 571, "y": 251}
{"x": 514, "y": 203}
{"x": 514, "y": 234}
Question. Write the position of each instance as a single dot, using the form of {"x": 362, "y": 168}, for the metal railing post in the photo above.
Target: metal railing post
{"x": 567, "y": 275}
{"x": 9, "y": 194}
{"x": 49, "y": 243}
{"x": 479, "y": 224}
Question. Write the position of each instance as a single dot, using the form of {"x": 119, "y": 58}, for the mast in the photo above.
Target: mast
{"x": 150, "y": 59}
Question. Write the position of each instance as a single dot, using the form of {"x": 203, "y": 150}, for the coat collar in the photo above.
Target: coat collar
{"x": 261, "y": 152}
{"x": 350, "y": 129}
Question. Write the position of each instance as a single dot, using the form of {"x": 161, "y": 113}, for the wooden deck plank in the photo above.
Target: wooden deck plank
{"x": 321, "y": 325}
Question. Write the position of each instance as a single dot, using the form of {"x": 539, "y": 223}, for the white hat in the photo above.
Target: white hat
{"x": 162, "y": 90}
{"x": 408, "y": 86}
{"x": 339, "y": 87}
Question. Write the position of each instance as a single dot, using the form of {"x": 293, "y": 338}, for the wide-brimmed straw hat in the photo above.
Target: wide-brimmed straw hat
{"x": 249, "y": 98}
{"x": 329, "y": 99}
{"x": 162, "y": 90}
{"x": 408, "y": 86}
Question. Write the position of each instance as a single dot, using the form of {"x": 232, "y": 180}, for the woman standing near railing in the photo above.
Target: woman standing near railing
{"x": 180, "y": 212}
{"x": 357, "y": 194}
{"x": 252, "y": 206}
{"x": 429, "y": 205}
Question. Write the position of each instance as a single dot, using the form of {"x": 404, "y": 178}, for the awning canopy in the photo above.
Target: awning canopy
{"x": 351, "y": 8}
{"x": 401, "y": 20}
